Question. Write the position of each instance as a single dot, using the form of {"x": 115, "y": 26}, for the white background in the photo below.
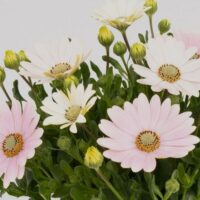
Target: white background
{"x": 24, "y": 22}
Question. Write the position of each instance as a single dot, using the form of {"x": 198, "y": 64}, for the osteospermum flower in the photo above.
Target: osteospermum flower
{"x": 190, "y": 40}
{"x": 120, "y": 14}
{"x": 54, "y": 60}
{"x": 170, "y": 67}
{"x": 144, "y": 131}
{"x": 19, "y": 136}
{"x": 67, "y": 110}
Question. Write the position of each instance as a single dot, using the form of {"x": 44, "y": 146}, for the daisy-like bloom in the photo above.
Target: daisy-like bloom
{"x": 170, "y": 67}
{"x": 144, "y": 131}
{"x": 53, "y": 60}
{"x": 68, "y": 110}
{"x": 190, "y": 40}
{"x": 120, "y": 14}
{"x": 19, "y": 136}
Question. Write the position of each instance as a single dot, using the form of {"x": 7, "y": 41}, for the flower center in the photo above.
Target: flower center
{"x": 60, "y": 68}
{"x": 72, "y": 113}
{"x": 196, "y": 56}
{"x": 13, "y": 144}
{"x": 147, "y": 141}
{"x": 169, "y": 73}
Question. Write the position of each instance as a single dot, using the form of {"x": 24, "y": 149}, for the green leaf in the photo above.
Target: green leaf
{"x": 16, "y": 92}
{"x": 142, "y": 38}
{"x": 96, "y": 69}
{"x": 85, "y": 73}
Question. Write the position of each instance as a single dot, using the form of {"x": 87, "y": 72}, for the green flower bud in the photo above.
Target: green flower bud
{"x": 2, "y": 75}
{"x": 68, "y": 81}
{"x": 11, "y": 60}
{"x": 93, "y": 158}
{"x": 172, "y": 186}
{"x": 151, "y": 6}
{"x": 138, "y": 51}
{"x": 105, "y": 36}
{"x": 22, "y": 56}
{"x": 164, "y": 26}
{"x": 119, "y": 49}
{"x": 64, "y": 143}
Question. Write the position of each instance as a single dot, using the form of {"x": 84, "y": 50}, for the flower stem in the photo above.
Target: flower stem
{"x": 110, "y": 186}
{"x": 127, "y": 44}
{"x": 151, "y": 25}
{"x": 184, "y": 194}
{"x": 107, "y": 55}
{"x": 6, "y": 93}
{"x": 87, "y": 131}
{"x": 127, "y": 69}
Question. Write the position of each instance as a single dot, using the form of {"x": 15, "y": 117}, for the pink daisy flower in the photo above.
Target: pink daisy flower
{"x": 19, "y": 136}
{"x": 190, "y": 39}
{"x": 144, "y": 131}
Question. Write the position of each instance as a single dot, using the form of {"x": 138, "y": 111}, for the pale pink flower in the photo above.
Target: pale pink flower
{"x": 19, "y": 136}
{"x": 144, "y": 131}
{"x": 190, "y": 39}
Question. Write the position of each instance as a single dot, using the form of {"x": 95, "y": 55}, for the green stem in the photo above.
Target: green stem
{"x": 127, "y": 44}
{"x": 184, "y": 194}
{"x": 6, "y": 93}
{"x": 110, "y": 186}
{"x": 167, "y": 196}
{"x": 151, "y": 25}
{"x": 127, "y": 69}
{"x": 107, "y": 55}
{"x": 87, "y": 131}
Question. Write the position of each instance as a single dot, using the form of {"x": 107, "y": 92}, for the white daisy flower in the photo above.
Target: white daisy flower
{"x": 120, "y": 14}
{"x": 170, "y": 67}
{"x": 68, "y": 110}
{"x": 53, "y": 60}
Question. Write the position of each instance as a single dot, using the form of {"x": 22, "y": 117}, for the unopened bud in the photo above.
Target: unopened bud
{"x": 164, "y": 26}
{"x": 172, "y": 186}
{"x": 64, "y": 143}
{"x": 138, "y": 51}
{"x": 22, "y": 56}
{"x": 151, "y": 6}
{"x": 11, "y": 60}
{"x": 93, "y": 158}
{"x": 119, "y": 49}
{"x": 105, "y": 36}
{"x": 2, "y": 75}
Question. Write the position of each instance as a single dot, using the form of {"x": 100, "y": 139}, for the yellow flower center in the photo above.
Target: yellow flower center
{"x": 169, "y": 73}
{"x": 13, "y": 144}
{"x": 72, "y": 113}
{"x": 147, "y": 141}
{"x": 196, "y": 56}
{"x": 58, "y": 71}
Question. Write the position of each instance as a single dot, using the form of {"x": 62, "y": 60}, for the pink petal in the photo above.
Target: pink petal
{"x": 111, "y": 130}
{"x": 115, "y": 144}
{"x": 17, "y": 115}
{"x": 149, "y": 164}
{"x": 21, "y": 171}
{"x": 138, "y": 162}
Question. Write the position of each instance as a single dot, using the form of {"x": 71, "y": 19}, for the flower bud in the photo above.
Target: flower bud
{"x": 119, "y": 49}
{"x": 151, "y": 6}
{"x": 138, "y": 51}
{"x": 64, "y": 143}
{"x": 22, "y": 56}
{"x": 68, "y": 81}
{"x": 2, "y": 75}
{"x": 105, "y": 36}
{"x": 11, "y": 60}
{"x": 164, "y": 26}
{"x": 93, "y": 158}
{"x": 172, "y": 186}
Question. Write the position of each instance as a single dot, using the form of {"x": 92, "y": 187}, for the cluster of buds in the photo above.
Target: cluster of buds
{"x": 12, "y": 60}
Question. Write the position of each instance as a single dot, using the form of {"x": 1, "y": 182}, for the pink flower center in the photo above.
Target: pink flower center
{"x": 13, "y": 144}
{"x": 169, "y": 73}
{"x": 72, "y": 113}
{"x": 147, "y": 141}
